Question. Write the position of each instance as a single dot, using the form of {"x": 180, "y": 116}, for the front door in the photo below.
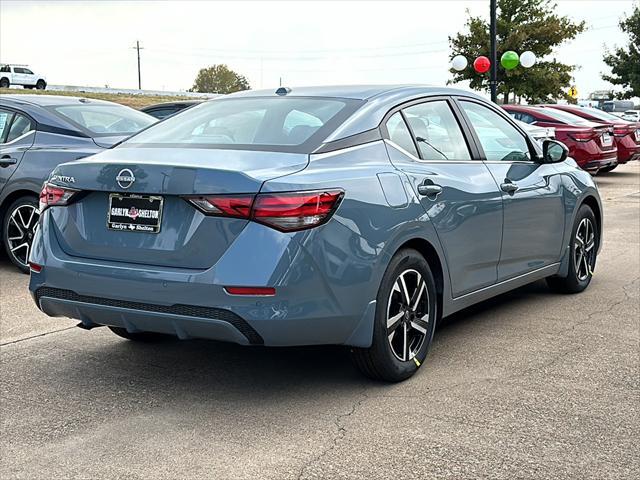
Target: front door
{"x": 531, "y": 191}
{"x": 459, "y": 195}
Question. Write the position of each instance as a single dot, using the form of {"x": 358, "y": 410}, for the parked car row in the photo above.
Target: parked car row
{"x": 598, "y": 141}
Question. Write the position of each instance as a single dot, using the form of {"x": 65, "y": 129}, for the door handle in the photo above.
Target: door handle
{"x": 508, "y": 186}
{"x": 7, "y": 160}
{"x": 427, "y": 189}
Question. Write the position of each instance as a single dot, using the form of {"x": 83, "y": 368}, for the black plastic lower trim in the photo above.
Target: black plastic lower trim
{"x": 197, "y": 311}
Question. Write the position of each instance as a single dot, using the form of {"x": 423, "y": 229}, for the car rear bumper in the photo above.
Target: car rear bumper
{"x": 190, "y": 303}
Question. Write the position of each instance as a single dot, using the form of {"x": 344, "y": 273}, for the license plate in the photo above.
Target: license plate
{"x": 606, "y": 140}
{"x": 134, "y": 213}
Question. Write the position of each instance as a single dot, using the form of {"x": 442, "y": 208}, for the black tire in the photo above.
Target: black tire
{"x": 608, "y": 169}
{"x": 381, "y": 361}
{"x": 582, "y": 261}
{"x": 4, "y": 83}
{"x": 18, "y": 228}
{"x": 41, "y": 85}
{"x": 139, "y": 336}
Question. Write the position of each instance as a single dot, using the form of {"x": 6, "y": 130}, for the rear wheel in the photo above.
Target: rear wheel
{"x": 41, "y": 85}
{"x": 139, "y": 336}
{"x": 583, "y": 251}
{"x": 18, "y": 229}
{"x": 404, "y": 320}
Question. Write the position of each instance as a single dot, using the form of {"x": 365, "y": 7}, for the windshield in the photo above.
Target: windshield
{"x": 565, "y": 117}
{"x": 102, "y": 120}
{"x": 292, "y": 124}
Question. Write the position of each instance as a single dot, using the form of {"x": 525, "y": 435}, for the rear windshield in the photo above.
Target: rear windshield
{"x": 565, "y": 117}
{"x": 101, "y": 120}
{"x": 599, "y": 114}
{"x": 288, "y": 124}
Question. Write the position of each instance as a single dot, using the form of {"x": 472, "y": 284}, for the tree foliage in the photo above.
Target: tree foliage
{"x": 625, "y": 61}
{"x": 521, "y": 25}
{"x": 219, "y": 79}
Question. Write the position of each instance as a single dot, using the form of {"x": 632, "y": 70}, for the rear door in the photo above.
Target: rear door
{"x": 531, "y": 191}
{"x": 16, "y": 136}
{"x": 426, "y": 141}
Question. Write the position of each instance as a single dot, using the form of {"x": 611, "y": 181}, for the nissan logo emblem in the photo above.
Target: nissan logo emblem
{"x": 125, "y": 178}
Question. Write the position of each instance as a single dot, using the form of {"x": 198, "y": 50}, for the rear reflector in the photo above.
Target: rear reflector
{"x": 255, "y": 291}
{"x": 286, "y": 212}
{"x": 51, "y": 195}
{"x": 34, "y": 267}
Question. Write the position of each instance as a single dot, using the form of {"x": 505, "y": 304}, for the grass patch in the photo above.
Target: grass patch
{"x": 134, "y": 101}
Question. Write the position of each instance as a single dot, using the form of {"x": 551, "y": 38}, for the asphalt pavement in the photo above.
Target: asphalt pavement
{"x": 531, "y": 384}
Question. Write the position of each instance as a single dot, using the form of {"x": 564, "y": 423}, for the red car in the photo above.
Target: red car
{"x": 590, "y": 144}
{"x": 625, "y": 133}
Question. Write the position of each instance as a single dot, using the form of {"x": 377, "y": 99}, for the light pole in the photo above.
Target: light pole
{"x": 493, "y": 55}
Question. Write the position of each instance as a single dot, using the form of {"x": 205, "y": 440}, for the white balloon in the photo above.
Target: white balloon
{"x": 527, "y": 59}
{"x": 459, "y": 62}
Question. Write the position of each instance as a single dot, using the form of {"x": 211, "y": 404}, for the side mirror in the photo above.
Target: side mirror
{"x": 554, "y": 151}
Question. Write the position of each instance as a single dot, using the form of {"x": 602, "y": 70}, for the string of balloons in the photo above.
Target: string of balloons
{"x": 509, "y": 61}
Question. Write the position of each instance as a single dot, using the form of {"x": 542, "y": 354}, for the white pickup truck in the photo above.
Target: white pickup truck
{"x": 20, "y": 75}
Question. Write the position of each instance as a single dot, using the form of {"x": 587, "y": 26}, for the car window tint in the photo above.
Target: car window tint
{"x": 437, "y": 132}
{"x": 5, "y": 120}
{"x": 399, "y": 133}
{"x": 161, "y": 113}
{"x": 101, "y": 119}
{"x": 300, "y": 124}
{"x": 18, "y": 70}
{"x": 27, "y": 71}
{"x": 499, "y": 139}
{"x": 19, "y": 127}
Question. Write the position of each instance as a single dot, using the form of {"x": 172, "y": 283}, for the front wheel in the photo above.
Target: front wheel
{"x": 583, "y": 251}
{"x": 404, "y": 320}
{"x": 41, "y": 85}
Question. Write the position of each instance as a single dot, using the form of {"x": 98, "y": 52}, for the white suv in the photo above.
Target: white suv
{"x": 20, "y": 75}
{"x": 632, "y": 115}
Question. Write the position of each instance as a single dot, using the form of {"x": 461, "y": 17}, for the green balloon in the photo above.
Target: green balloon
{"x": 509, "y": 60}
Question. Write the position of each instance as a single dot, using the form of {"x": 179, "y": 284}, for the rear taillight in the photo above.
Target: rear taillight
{"x": 583, "y": 136}
{"x": 54, "y": 195}
{"x": 287, "y": 212}
{"x": 622, "y": 130}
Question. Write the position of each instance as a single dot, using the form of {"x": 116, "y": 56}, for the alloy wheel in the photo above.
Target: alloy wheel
{"x": 20, "y": 231}
{"x": 408, "y": 315}
{"x": 584, "y": 251}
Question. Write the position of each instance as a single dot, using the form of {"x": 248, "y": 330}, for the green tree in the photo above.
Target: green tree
{"x": 625, "y": 62}
{"x": 521, "y": 25}
{"x": 219, "y": 79}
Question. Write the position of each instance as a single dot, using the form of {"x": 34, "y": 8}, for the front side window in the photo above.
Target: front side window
{"x": 437, "y": 132}
{"x": 105, "y": 120}
{"x": 399, "y": 133}
{"x": 19, "y": 127}
{"x": 27, "y": 71}
{"x": 266, "y": 123}
{"x": 18, "y": 70}
{"x": 499, "y": 139}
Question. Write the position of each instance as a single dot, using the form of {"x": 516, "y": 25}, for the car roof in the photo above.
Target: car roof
{"x": 50, "y": 100}
{"x": 355, "y": 92}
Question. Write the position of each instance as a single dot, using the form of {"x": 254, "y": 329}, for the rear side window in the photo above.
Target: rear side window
{"x": 293, "y": 124}
{"x": 399, "y": 133}
{"x": 499, "y": 139}
{"x": 5, "y": 121}
{"x": 19, "y": 127}
{"x": 437, "y": 132}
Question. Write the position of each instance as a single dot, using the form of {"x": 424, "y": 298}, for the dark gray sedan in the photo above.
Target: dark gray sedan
{"x": 38, "y": 132}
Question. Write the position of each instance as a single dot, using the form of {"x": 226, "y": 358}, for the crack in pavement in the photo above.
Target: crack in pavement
{"x": 19, "y": 340}
{"x": 340, "y": 433}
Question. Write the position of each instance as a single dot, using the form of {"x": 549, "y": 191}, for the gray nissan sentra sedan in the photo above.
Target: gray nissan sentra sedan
{"x": 357, "y": 216}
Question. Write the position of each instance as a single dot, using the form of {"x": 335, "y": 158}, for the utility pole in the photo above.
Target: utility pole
{"x": 493, "y": 56}
{"x": 138, "y": 48}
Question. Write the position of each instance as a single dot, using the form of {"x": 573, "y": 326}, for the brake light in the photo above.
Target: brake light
{"x": 622, "y": 130}
{"x": 583, "y": 136}
{"x": 238, "y": 206}
{"x": 296, "y": 211}
{"x": 51, "y": 195}
{"x": 287, "y": 212}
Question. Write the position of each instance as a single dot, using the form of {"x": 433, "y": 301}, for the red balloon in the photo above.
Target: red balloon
{"x": 481, "y": 64}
